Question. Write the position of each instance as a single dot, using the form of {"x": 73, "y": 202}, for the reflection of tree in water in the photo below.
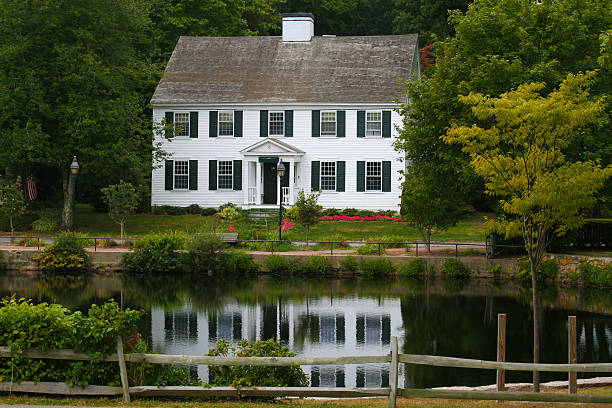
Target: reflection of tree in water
{"x": 71, "y": 291}
{"x": 144, "y": 291}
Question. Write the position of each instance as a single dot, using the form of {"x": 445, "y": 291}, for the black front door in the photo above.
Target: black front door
{"x": 269, "y": 183}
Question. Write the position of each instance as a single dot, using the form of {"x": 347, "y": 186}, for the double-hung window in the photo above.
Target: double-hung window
{"x": 226, "y": 123}
{"x": 181, "y": 174}
{"x": 328, "y": 123}
{"x": 373, "y": 124}
{"x": 373, "y": 179}
{"x": 181, "y": 124}
{"x": 276, "y": 123}
{"x": 225, "y": 175}
{"x": 328, "y": 176}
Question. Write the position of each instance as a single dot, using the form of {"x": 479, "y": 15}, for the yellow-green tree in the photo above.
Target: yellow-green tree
{"x": 517, "y": 146}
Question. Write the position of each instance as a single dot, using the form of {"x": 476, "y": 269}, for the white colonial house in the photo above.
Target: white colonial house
{"x": 324, "y": 106}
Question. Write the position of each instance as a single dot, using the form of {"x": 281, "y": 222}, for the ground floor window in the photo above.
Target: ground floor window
{"x": 328, "y": 176}
{"x": 373, "y": 176}
{"x": 225, "y": 174}
{"x": 181, "y": 174}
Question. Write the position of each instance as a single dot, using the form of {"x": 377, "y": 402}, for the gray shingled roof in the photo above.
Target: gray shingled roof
{"x": 265, "y": 69}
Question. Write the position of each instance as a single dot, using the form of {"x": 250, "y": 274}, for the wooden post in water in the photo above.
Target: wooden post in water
{"x": 572, "y": 355}
{"x": 123, "y": 370}
{"x": 501, "y": 350}
{"x": 393, "y": 366}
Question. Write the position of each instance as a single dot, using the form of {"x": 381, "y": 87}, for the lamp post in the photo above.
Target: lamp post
{"x": 280, "y": 170}
{"x": 69, "y": 195}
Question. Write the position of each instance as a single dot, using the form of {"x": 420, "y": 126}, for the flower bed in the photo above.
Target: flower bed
{"x": 360, "y": 218}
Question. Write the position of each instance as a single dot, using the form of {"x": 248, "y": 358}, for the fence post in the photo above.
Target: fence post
{"x": 123, "y": 370}
{"x": 393, "y": 366}
{"x": 379, "y": 249}
{"x": 501, "y": 350}
{"x": 572, "y": 354}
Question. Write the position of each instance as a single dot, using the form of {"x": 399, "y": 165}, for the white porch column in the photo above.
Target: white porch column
{"x": 292, "y": 177}
{"x": 258, "y": 183}
{"x": 245, "y": 181}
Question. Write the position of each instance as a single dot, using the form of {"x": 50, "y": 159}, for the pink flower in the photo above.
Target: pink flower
{"x": 230, "y": 228}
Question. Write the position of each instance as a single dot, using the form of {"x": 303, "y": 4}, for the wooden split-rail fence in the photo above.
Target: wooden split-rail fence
{"x": 392, "y": 392}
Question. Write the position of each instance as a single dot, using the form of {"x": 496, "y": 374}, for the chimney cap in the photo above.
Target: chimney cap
{"x": 297, "y": 15}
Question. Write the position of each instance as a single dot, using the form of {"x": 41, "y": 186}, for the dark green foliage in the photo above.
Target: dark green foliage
{"x": 455, "y": 269}
{"x": 547, "y": 269}
{"x": 368, "y": 249}
{"x": 3, "y": 262}
{"x": 155, "y": 253}
{"x": 413, "y": 268}
{"x": 597, "y": 275}
{"x": 594, "y": 234}
{"x": 204, "y": 252}
{"x": 237, "y": 376}
{"x": 372, "y": 267}
{"x": 194, "y": 209}
{"x": 349, "y": 264}
{"x": 237, "y": 262}
{"x": 65, "y": 255}
{"x": 208, "y": 211}
{"x": 279, "y": 265}
{"x": 317, "y": 265}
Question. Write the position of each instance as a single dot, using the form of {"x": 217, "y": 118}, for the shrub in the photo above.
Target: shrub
{"x": 393, "y": 239}
{"x": 227, "y": 205}
{"x": 66, "y": 254}
{"x": 455, "y": 269}
{"x": 170, "y": 210}
{"x": 208, "y": 211}
{"x": 30, "y": 242}
{"x": 595, "y": 274}
{"x": 237, "y": 376}
{"x": 547, "y": 269}
{"x": 229, "y": 214}
{"x": 278, "y": 264}
{"x": 339, "y": 241}
{"x": 330, "y": 211}
{"x": 413, "y": 268}
{"x": 348, "y": 264}
{"x": 376, "y": 267}
{"x": 194, "y": 209}
{"x": 3, "y": 263}
{"x": 155, "y": 253}
{"x": 291, "y": 213}
{"x": 204, "y": 252}
{"x": 44, "y": 225}
{"x": 318, "y": 265}
{"x": 237, "y": 262}
{"x": 367, "y": 249}
{"x": 495, "y": 270}
{"x": 158, "y": 210}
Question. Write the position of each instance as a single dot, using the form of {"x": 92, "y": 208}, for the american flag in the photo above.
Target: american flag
{"x": 31, "y": 190}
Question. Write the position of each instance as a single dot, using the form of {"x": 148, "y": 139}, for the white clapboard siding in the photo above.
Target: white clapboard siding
{"x": 349, "y": 149}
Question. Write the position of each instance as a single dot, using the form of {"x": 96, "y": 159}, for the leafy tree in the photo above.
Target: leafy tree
{"x": 498, "y": 45}
{"x": 12, "y": 201}
{"x": 122, "y": 201}
{"x": 308, "y": 211}
{"x": 518, "y": 149}
{"x": 72, "y": 76}
{"x": 428, "y": 203}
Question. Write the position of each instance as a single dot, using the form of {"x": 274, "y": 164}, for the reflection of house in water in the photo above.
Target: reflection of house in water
{"x": 324, "y": 327}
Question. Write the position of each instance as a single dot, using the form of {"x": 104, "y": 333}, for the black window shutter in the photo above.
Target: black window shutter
{"x": 193, "y": 124}
{"x": 360, "y": 123}
{"x": 193, "y": 174}
{"x": 316, "y": 123}
{"x": 341, "y": 123}
{"x": 386, "y": 173}
{"x": 314, "y": 175}
{"x": 212, "y": 174}
{"x": 340, "y": 171}
{"x": 237, "y": 123}
{"x": 288, "y": 123}
{"x": 360, "y": 176}
{"x": 169, "y": 119}
{"x": 212, "y": 123}
{"x": 169, "y": 175}
{"x": 263, "y": 123}
{"x": 237, "y": 174}
{"x": 386, "y": 125}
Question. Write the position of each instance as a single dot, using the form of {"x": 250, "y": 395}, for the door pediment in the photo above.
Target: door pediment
{"x": 271, "y": 147}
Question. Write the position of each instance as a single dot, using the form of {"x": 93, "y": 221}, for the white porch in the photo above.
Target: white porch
{"x": 259, "y": 167}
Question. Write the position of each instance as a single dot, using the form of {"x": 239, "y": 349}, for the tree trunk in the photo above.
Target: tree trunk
{"x": 69, "y": 187}
{"x": 12, "y": 228}
{"x": 536, "y": 325}
{"x": 307, "y": 230}
{"x": 429, "y": 240}
{"x": 121, "y": 224}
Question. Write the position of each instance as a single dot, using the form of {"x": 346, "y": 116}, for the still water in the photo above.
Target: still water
{"x": 333, "y": 317}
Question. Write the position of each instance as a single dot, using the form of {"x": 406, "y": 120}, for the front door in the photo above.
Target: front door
{"x": 269, "y": 183}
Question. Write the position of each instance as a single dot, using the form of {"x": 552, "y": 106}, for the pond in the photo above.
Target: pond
{"x": 333, "y": 316}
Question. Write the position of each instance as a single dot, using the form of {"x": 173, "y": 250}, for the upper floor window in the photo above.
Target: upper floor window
{"x": 181, "y": 124}
{"x": 181, "y": 174}
{"x": 373, "y": 181}
{"x": 374, "y": 123}
{"x": 276, "y": 123}
{"x": 225, "y": 175}
{"x": 226, "y": 123}
{"x": 328, "y": 123}
{"x": 328, "y": 176}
